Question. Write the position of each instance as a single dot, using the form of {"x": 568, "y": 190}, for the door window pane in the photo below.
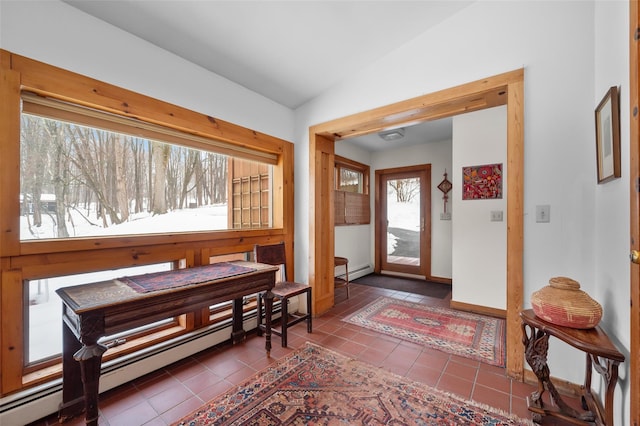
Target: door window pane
{"x": 403, "y": 221}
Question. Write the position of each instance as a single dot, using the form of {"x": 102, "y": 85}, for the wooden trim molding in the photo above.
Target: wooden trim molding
{"x": 503, "y": 89}
{"x": 477, "y": 309}
{"x": 634, "y": 198}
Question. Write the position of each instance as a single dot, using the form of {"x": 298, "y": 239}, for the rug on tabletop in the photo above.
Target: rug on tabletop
{"x": 470, "y": 335}
{"x": 314, "y": 385}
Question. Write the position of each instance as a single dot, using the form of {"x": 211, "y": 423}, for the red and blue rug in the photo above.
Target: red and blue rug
{"x": 316, "y": 386}
{"x": 470, "y": 335}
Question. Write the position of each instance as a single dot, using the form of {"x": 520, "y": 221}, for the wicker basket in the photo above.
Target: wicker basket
{"x": 563, "y": 303}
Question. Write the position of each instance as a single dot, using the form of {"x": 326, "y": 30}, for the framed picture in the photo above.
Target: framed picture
{"x": 482, "y": 182}
{"x": 608, "y": 136}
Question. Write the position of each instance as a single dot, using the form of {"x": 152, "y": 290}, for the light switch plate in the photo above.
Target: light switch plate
{"x": 445, "y": 216}
{"x": 543, "y": 214}
{"x": 496, "y": 216}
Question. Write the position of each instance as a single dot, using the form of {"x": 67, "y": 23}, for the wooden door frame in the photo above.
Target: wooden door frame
{"x": 634, "y": 196}
{"x": 424, "y": 170}
{"x": 503, "y": 89}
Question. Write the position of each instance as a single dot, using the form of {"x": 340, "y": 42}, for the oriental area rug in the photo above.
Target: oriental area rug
{"x": 316, "y": 386}
{"x": 470, "y": 335}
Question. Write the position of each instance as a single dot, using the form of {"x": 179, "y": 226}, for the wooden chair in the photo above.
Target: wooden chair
{"x": 274, "y": 254}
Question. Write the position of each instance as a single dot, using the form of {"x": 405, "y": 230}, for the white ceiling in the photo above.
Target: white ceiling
{"x": 288, "y": 51}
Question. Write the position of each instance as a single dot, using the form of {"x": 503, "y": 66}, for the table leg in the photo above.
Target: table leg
{"x": 536, "y": 344}
{"x": 268, "y": 309}
{"x": 72, "y": 393}
{"x": 90, "y": 359}
{"x": 608, "y": 369}
{"x": 237, "y": 333}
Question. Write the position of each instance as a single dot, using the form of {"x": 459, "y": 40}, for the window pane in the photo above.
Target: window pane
{"x": 79, "y": 181}
{"x": 45, "y": 307}
{"x": 403, "y": 221}
{"x": 350, "y": 180}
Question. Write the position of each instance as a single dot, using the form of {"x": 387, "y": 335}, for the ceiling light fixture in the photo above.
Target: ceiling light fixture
{"x": 392, "y": 135}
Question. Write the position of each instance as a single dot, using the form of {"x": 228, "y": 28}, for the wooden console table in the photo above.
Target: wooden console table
{"x": 601, "y": 354}
{"x": 91, "y": 311}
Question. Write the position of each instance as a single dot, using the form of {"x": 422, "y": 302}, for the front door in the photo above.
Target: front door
{"x": 403, "y": 220}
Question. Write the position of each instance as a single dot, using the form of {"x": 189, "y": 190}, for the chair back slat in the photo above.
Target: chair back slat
{"x": 271, "y": 254}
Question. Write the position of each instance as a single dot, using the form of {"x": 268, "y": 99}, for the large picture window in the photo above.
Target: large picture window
{"x": 99, "y": 182}
{"x": 87, "y": 180}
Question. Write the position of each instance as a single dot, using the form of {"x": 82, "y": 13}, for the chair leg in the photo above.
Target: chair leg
{"x": 346, "y": 278}
{"x": 259, "y": 309}
{"x": 284, "y": 304}
{"x": 309, "y": 311}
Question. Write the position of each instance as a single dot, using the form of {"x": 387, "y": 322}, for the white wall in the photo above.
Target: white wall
{"x": 555, "y": 43}
{"x": 610, "y": 284}
{"x": 58, "y": 34}
{"x": 479, "y": 244}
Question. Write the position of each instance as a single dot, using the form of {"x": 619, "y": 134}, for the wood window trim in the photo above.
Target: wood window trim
{"x": 343, "y": 162}
{"x": 20, "y": 261}
{"x": 351, "y": 208}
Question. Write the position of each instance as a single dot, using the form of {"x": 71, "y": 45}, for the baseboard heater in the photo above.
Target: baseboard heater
{"x": 38, "y": 402}
{"x": 360, "y": 272}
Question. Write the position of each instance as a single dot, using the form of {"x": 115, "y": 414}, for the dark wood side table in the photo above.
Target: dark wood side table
{"x": 90, "y": 311}
{"x": 601, "y": 354}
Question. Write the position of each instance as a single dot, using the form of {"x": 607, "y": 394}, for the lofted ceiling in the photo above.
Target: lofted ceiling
{"x": 287, "y": 51}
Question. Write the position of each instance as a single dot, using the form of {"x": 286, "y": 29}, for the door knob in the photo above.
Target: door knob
{"x": 634, "y": 256}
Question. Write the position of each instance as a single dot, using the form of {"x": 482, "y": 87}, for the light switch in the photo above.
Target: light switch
{"x": 543, "y": 214}
{"x": 496, "y": 216}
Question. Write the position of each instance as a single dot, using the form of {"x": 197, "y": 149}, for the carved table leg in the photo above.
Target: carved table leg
{"x": 72, "y": 395}
{"x": 90, "y": 359}
{"x": 608, "y": 369}
{"x": 536, "y": 344}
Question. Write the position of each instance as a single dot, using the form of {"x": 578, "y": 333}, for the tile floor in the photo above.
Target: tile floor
{"x": 164, "y": 396}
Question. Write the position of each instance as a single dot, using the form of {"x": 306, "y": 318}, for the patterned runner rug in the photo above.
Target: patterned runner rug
{"x": 466, "y": 334}
{"x": 317, "y": 386}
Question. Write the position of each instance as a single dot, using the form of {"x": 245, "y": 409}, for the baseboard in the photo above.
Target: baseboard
{"x": 441, "y": 280}
{"x": 484, "y": 310}
{"x": 359, "y": 272}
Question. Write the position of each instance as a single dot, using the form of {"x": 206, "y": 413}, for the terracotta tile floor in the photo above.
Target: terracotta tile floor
{"x": 166, "y": 395}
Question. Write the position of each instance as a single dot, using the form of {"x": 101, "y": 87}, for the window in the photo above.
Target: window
{"x": 81, "y": 178}
{"x": 78, "y": 178}
{"x": 351, "y": 195}
{"x": 45, "y": 309}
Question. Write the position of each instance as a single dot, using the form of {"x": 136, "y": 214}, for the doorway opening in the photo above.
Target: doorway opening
{"x": 503, "y": 89}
